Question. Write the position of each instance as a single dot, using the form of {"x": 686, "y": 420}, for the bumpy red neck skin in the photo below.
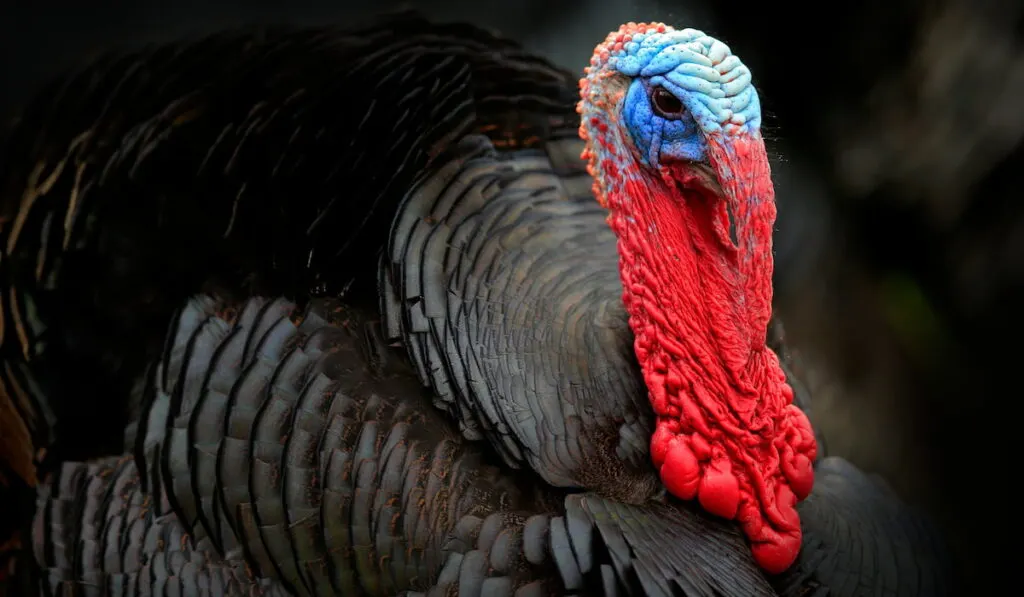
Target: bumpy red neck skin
{"x": 699, "y": 304}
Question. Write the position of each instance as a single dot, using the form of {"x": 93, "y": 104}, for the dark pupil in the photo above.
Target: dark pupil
{"x": 667, "y": 104}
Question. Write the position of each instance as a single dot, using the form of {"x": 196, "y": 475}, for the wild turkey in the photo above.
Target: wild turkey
{"x": 270, "y": 163}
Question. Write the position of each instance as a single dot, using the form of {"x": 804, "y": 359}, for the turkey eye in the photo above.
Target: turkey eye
{"x": 665, "y": 104}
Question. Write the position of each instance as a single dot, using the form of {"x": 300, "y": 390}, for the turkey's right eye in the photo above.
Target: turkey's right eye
{"x": 666, "y": 105}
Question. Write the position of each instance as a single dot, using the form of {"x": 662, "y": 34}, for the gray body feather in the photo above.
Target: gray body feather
{"x": 501, "y": 277}
{"x": 333, "y": 475}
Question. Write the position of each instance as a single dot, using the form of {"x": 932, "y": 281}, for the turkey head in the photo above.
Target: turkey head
{"x": 672, "y": 126}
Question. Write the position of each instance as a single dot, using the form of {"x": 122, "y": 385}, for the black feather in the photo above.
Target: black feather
{"x": 96, "y": 533}
{"x": 340, "y": 477}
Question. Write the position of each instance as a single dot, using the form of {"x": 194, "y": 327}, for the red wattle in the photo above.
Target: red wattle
{"x": 659, "y": 443}
{"x": 775, "y": 550}
{"x": 727, "y": 433}
{"x": 776, "y": 556}
{"x": 681, "y": 473}
{"x": 797, "y": 449}
{"x": 720, "y": 490}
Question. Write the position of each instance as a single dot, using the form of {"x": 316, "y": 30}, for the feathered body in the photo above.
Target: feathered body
{"x": 97, "y": 532}
{"x": 296, "y": 442}
{"x": 256, "y": 146}
{"x": 282, "y": 163}
{"x": 259, "y": 145}
{"x": 500, "y": 276}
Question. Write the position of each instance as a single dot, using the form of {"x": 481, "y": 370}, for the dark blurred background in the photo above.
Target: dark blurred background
{"x": 896, "y": 127}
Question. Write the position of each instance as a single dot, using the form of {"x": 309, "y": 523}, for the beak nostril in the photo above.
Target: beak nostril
{"x": 731, "y": 218}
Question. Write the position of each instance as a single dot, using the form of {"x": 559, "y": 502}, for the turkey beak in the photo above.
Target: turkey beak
{"x": 697, "y": 176}
{"x": 706, "y": 177}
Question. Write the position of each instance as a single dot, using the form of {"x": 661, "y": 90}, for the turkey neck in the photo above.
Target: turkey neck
{"x": 698, "y": 299}
{"x": 697, "y": 319}
{"x": 699, "y": 304}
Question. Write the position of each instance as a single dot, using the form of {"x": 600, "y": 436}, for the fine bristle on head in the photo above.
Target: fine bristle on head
{"x": 688, "y": 60}
{"x": 720, "y": 98}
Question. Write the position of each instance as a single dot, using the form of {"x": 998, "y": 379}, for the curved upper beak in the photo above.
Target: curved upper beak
{"x": 700, "y": 176}
{"x": 707, "y": 177}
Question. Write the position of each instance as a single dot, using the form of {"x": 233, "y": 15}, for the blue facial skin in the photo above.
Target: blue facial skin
{"x": 712, "y": 84}
{"x": 657, "y": 137}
